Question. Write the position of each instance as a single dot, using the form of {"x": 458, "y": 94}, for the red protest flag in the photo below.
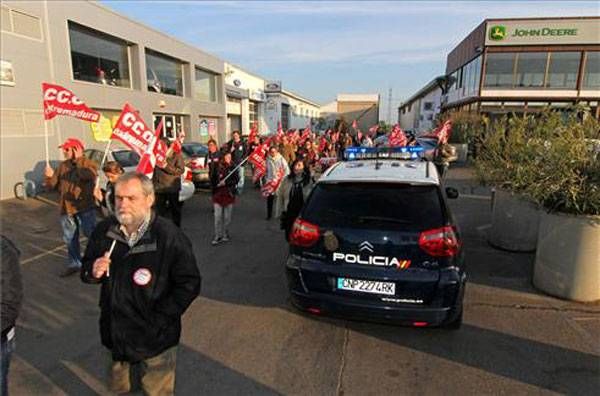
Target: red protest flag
{"x": 253, "y": 133}
{"x": 279, "y": 130}
{"x": 258, "y": 159}
{"x": 373, "y": 130}
{"x": 132, "y": 131}
{"x": 354, "y": 124}
{"x": 441, "y": 133}
{"x": 156, "y": 152}
{"x": 322, "y": 144}
{"x": 61, "y": 101}
{"x": 271, "y": 187}
{"x": 397, "y": 137}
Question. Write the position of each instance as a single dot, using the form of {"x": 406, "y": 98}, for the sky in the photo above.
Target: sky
{"x": 319, "y": 49}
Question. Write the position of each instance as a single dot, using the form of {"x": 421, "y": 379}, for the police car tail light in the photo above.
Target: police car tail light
{"x": 304, "y": 234}
{"x": 439, "y": 242}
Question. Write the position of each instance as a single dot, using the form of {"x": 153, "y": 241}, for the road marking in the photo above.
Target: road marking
{"x": 471, "y": 196}
{"x": 51, "y": 252}
{"x": 484, "y": 227}
{"x": 46, "y": 253}
{"x": 86, "y": 377}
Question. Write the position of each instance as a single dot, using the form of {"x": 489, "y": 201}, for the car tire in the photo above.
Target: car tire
{"x": 456, "y": 323}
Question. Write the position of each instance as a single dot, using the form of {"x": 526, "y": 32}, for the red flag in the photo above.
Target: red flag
{"x": 373, "y": 130}
{"x": 132, "y": 130}
{"x": 258, "y": 159}
{"x": 304, "y": 137}
{"x": 271, "y": 187}
{"x": 155, "y": 152}
{"x": 397, "y": 137}
{"x": 253, "y": 133}
{"x": 322, "y": 144}
{"x": 354, "y": 124}
{"x": 279, "y": 130}
{"x": 441, "y": 133}
{"x": 60, "y": 101}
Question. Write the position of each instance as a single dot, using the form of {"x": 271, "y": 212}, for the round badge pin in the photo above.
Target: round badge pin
{"x": 142, "y": 276}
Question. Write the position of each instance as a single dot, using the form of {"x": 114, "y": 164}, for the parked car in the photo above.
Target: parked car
{"x": 194, "y": 155}
{"x": 129, "y": 160}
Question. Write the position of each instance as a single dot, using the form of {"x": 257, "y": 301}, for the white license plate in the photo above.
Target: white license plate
{"x": 367, "y": 286}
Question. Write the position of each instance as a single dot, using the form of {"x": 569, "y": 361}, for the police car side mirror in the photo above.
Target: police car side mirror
{"x": 451, "y": 192}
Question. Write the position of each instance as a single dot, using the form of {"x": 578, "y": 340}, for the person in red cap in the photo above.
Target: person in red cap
{"x": 75, "y": 179}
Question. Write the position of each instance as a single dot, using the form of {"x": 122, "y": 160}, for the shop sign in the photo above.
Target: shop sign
{"x": 258, "y": 95}
{"x": 212, "y": 128}
{"x": 273, "y": 86}
{"x": 538, "y": 32}
{"x": 203, "y": 127}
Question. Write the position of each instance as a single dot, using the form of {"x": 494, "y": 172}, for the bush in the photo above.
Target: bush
{"x": 549, "y": 158}
{"x": 465, "y": 126}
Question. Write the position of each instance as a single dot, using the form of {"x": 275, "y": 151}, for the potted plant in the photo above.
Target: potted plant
{"x": 567, "y": 185}
{"x": 505, "y": 161}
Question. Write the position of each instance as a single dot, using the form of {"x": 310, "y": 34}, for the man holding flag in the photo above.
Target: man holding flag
{"x": 75, "y": 180}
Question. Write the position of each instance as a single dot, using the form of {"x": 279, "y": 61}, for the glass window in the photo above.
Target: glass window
{"x": 477, "y": 74}
{"x": 164, "y": 74}
{"x": 499, "y": 69}
{"x": 376, "y": 205}
{"x": 252, "y": 112}
{"x": 428, "y": 106}
{"x": 531, "y": 69}
{"x": 563, "y": 70}
{"x": 205, "y": 86}
{"x": 591, "y": 74}
{"x": 172, "y": 125}
{"x": 97, "y": 57}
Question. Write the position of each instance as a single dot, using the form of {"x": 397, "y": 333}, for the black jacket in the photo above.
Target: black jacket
{"x": 238, "y": 151}
{"x": 211, "y": 160}
{"x": 12, "y": 286}
{"x": 141, "y": 315}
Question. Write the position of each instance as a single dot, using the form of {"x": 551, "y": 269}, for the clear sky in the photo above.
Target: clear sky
{"x": 320, "y": 49}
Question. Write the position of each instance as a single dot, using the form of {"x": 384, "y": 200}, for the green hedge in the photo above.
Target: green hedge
{"x": 551, "y": 158}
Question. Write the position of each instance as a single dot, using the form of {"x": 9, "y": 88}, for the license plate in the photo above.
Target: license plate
{"x": 367, "y": 286}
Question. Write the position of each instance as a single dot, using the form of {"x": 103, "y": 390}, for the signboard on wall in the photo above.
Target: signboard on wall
{"x": 7, "y": 75}
{"x": 203, "y": 127}
{"x": 212, "y": 128}
{"x": 273, "y": 87}
{"x": 543, "y": 32}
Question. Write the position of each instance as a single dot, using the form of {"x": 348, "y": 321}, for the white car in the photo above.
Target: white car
{"x": 129, "y": 160}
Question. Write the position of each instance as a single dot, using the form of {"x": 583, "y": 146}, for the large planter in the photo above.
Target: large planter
{"x": 515, "y": 222}
{"x": 462, "y": 151}
{"x": 567, "y": 262}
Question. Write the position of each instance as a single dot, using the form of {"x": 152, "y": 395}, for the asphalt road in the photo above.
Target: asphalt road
{"x": 243, "y": 337}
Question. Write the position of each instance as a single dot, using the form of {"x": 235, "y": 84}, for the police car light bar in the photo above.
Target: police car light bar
{"x": 397, "y": 153}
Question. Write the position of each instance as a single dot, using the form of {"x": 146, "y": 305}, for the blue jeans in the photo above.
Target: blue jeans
{"x": 86, "y": 221}
{"x": 7, "y": 349}
{"x": 240, "y": 185}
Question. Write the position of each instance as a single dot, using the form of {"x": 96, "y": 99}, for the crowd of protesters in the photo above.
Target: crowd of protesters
{"x": 143, "y": 243}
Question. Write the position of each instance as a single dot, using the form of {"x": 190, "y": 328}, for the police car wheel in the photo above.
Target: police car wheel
{"x": 454, "y": 324}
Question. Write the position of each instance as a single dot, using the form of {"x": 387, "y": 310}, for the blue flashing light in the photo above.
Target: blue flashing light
{"x": 397, "y": 153}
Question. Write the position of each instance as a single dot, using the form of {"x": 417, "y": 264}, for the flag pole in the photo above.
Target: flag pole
{"x": 46, "y": 142}
{"x": 235, "y": 169}
{"x": 105, "y": 153}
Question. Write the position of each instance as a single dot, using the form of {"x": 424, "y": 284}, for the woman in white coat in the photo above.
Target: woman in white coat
{"x": 277, "y": 170}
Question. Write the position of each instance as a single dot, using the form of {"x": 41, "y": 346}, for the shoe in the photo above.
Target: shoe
{"x": 216, "y": 241}
{"x": 68, "y": 272}
{"x": 226, "y": 238}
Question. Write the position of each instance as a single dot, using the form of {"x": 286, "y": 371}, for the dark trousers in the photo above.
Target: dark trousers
{"x": 168, "y": 206}
{"x": 270, "y": 200}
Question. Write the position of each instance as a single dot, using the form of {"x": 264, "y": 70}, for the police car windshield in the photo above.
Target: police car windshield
{"x": 375, "y": 205}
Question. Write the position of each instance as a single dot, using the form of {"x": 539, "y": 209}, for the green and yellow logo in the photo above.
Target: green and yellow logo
{"x": 497, "y": 33}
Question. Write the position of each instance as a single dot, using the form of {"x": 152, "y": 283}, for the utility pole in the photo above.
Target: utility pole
{"x": 389, "y": 114}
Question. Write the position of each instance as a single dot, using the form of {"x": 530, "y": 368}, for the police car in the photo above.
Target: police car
{"x": 377, "y": 241}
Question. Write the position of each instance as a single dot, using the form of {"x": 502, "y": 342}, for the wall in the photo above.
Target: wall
{"x": 255, "y": 86}
{"x": 365, "y": 112}
{"x": 48, "y": 59}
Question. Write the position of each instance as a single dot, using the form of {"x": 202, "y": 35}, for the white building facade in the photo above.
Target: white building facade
{"x": 419, "y": 112}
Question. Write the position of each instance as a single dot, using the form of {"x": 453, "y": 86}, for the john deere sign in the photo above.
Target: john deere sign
{"x": 535, "y": 32}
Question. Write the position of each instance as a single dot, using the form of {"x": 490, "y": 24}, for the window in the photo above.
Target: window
{"x": 172, "y": 125}
{"x": 285, "y": 114}
{"x": 252, "y": 112}
{"x": 430, "y": 117}
{"x": 563, "y": 70}
{"x": 428, "y": 106}
{"x": 531, "y": 69}
{"x": 205, "y": 86}
{"x": 591, "y": 74}
{"x": 476, "y": 75}
{"x": 499, "y": 70}
{"x": 98, "y": 58}
{"x": 342, "y": 204}
{"x": 164, "y": 74}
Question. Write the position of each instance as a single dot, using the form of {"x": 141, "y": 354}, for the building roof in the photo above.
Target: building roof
{"x": 389, "y": 171}
{"x": 358, "y": 97}
{"x": 300, "y": 98}
{"x": 430, "y": 86}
